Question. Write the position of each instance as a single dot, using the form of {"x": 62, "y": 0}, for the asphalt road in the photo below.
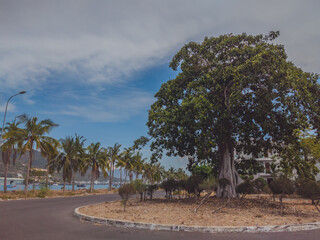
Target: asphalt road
{"x": 52, "y": 219}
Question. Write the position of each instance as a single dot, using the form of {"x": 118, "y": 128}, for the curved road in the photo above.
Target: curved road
{"x": 52, "y": 219}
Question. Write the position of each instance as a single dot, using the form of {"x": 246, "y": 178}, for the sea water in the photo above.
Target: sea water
{"x": 20, "y": 187}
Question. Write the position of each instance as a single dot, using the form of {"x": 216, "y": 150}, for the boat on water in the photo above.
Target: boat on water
{"x": 81, "y": 185}
{"x": 11, "y": 186}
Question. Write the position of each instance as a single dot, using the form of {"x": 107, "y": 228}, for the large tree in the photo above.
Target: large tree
{"x": 232, "y": 91}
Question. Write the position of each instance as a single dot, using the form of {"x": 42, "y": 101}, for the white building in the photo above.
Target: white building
{"x": 265, "y": 159}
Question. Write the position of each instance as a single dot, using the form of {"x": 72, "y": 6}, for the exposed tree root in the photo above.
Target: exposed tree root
{"x": 203, "y": 201}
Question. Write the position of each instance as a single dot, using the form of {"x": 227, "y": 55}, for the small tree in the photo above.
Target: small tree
{"x": 125, "y": 192}
{"x": 192, "y": 185}
{"x": 245, "y": 188}
{"x": 281, "y": 186}
{"x": 208, "y": 184}
{"x": 308, "y": 188}
{"x": 151, "y": 188}
{"x": 259, "y": 184}
{"x": 169, "y": 186}
{"x": 140, "y": 187}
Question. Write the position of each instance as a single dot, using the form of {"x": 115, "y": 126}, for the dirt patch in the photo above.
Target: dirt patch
{"x": 215, "y": 212}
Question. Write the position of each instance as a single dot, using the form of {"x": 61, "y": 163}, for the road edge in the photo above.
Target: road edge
{"x": 205, "y": 229}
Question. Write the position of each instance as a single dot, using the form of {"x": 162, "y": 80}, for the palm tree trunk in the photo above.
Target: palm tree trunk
{"x": 6, "y": 168}
{"x": 28, "y": 168}
{"x": 120, "y": 176}
{"x": 64, "y": 186}
{"x": 34, "y": 182}
{"x": 47, "y": 176}
{"x": 113, "y": 170}
{"x": 110, "y": 179}
{"x": 91, "y": 183}
{"x": 73, "y": 180}
{"x": 125, "y": 179}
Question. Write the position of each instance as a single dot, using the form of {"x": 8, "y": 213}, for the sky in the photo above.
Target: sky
{"x": 93, "y": 66}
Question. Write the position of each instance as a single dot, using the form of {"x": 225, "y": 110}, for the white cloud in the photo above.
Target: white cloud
{"x": 108, "y": 109}
{"x": 11, "y": 108}
{"x": 108, "y": 41}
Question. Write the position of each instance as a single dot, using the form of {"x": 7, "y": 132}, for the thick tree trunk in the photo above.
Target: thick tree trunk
{"x": 120, "y": 176}
{"x": 64, "y": 186}
{"x": 227, "y": 171}
{"x": 28, "y": 168}
{"x": 6, "y": 168}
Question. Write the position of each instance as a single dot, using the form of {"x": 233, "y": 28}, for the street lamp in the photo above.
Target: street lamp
{"x": 5, "y": 113}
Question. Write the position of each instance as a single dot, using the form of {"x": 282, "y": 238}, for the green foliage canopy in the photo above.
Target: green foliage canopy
{"x": 232, "y": 91}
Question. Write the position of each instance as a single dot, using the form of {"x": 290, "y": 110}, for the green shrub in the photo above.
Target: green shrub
{"x": 43, "y": 192}
{"x": 245, "y": 188}
{"x": 281, "y": 186}
{"x": 266, "y": 189}
{"x": 208, "y": 184}
{"x": 125, "y": 192}
{"x": 259, "y": 184}
{"x": 308, "y": 188}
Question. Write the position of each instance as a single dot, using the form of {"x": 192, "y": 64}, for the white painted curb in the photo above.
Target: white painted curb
{"x": 208, "y": 229}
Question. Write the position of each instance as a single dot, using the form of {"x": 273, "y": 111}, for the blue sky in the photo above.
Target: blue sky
{"x": 93, "y": 67}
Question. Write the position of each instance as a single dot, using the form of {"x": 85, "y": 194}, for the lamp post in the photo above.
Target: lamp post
{"x": 5, "y": 113}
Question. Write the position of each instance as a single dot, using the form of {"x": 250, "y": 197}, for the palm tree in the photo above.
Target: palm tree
{"x": 138, "y": 163}
{"x": 171, "y": 173}
{"x": 8, "y": 149}
{"x": 96, "y": 161}
{"x": 115, "y": 155}
{"x": 121, "y": 164}
{"x": 153, "y": 172}
{"x": 78, "y": 157}
{"x": 128, "y": 162}
{"x": 49, "y": 150}
{"x": 63, "y": 162}
{"x": 33, "y": 137}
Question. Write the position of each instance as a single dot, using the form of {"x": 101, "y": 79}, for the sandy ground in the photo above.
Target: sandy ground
{"x": 215, "y": 212}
